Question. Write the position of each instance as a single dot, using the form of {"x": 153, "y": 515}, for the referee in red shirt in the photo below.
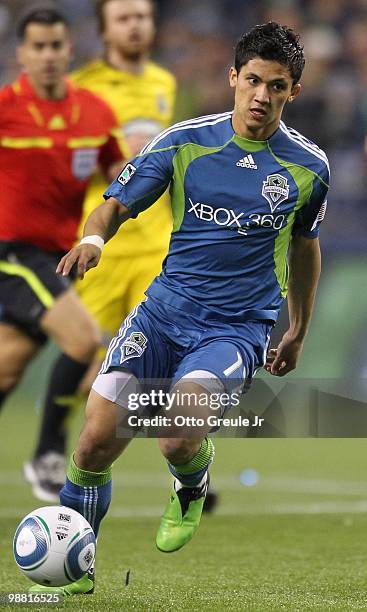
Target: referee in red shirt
{"x": 53, "y": 135}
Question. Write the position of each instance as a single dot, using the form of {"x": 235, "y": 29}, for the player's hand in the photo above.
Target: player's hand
{"x": 284, "y": 358}
{"x": 84, "y": 256}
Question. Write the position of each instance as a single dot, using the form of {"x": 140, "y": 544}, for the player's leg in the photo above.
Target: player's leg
{"x": 16, "y": 351}
{"x": 189, "y": 453}
{"x": 77, "y": 335}
{"x": 23, "y": 298}
{"x": 88, "y": 484}
{"x": 223, "y": 359}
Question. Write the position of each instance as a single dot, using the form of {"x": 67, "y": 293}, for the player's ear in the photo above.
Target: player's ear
{"x": 232, "y": 77}
{"x": 296, "y": 90}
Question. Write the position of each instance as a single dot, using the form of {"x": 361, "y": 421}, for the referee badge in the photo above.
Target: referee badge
{"x": 84, "y": 163}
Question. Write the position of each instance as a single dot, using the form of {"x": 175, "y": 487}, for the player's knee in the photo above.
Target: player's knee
{"x": 16, "y": 352}
{"x": 96, "y": 446}
{"x": 11, "y": 371}
{"x": 93, "y": 452}
{"x": 178, "y": 450}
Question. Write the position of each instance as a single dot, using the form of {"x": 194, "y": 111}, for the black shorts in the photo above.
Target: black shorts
{"x": 28, "y": 286}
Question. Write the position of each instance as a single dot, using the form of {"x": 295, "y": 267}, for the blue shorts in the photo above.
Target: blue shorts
{"x": 158, "y": 341}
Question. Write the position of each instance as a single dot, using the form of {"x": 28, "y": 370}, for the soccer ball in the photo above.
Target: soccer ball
{"x": 54, "y": 546}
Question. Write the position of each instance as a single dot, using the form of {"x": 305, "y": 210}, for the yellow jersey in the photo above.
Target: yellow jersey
{"x": 143, "y": 104}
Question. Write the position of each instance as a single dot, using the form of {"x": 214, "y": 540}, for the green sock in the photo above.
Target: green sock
{"x": 85, "y": 478}
{"x": 192, "y": 472}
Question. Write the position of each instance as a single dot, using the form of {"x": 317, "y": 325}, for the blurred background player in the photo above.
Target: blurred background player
{"x": 52, "y": 136}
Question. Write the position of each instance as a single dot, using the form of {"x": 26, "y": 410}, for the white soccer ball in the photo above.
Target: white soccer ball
{"x": 54, "y": 546}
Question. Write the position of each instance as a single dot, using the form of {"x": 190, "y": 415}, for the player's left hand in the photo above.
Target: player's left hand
{"x": 283, "y": 359}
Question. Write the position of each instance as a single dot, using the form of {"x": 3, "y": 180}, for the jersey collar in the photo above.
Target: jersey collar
{"x": 256, "y": 145}
{"x": 120, "y": 75}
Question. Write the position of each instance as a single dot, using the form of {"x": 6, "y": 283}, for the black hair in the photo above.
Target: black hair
{"x": 274, "y": 42}
{"x": 43, "y": 16}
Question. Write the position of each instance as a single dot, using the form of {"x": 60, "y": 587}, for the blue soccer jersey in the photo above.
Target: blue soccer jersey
{"x": 236, "y": 204}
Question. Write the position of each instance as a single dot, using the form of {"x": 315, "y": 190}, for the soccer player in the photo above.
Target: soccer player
{"x": 248, "y": 196}
{"x": 142, "y": 96}
{"x": 52, "y": 137}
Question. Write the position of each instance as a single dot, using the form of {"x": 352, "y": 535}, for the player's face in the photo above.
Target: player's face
{"x": 45, "y": 53}
{"x": 129, "y": 26}
{"x": 261, "y": 90}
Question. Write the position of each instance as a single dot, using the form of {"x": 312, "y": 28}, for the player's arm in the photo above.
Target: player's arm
{"x": 101, "y": 225}
{"x": 304, "y": 273}
{"x": 304, "y": 261}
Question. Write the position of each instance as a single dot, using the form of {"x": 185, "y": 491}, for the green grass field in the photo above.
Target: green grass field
{"x": 295, "y": 541}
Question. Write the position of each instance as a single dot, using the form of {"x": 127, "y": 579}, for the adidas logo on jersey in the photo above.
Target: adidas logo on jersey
{"x": 247, "y": 162}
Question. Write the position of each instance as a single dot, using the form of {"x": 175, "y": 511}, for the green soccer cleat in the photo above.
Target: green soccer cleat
{"x": 83, "y": 586}
{"x": 181, "y": 517}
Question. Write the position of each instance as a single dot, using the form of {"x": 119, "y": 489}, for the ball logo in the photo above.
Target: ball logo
{"x": 88, "y": 557}
{"x": 64, "y": 517}
{"x": 275, "y": 190}
{"x": 26, "y": 543}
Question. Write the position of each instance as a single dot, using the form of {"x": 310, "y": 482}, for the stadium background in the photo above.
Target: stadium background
{"x": 305, "y": 489}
